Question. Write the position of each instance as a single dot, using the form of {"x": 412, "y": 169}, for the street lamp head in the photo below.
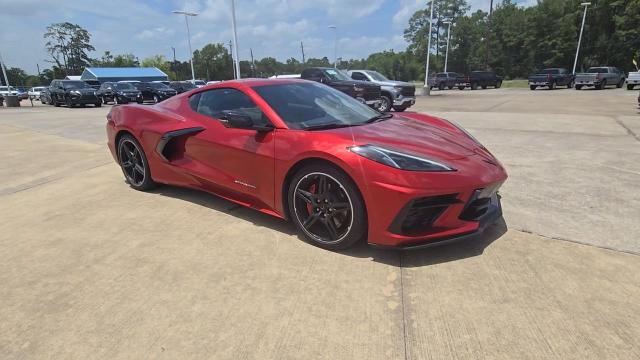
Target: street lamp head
{"x": 182, "y": 12}
{"x": 332, "y": 27}
{"x": 585, "y": 4}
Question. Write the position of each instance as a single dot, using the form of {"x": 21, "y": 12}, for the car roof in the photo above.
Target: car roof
{"x": 250, "y": 82}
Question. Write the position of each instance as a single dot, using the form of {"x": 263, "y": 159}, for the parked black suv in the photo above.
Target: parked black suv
{"x": 364, "y": 91}
{"x": 483, "y": 79}
{"x": 119, "y": 93}
{"x": 444, "y": 80}
{"x": 72, "y": 93}
{"x": 155, "y": 91}
{"x": 182, "y": 86}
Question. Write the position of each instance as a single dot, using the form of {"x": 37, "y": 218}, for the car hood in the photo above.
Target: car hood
{"x": 353, "y": 82}
{"x": 393, "y": 83}
{"x": 424, "y": 138}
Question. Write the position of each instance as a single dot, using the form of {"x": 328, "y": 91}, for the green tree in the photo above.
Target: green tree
{"x": 212, "y": 62}
{"x": 158, "y": 61}
{"x": 68, "y": 45}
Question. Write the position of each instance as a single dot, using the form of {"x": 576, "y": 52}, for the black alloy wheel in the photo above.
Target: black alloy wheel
{"x": 134, "y": 163}
{"x": 326, "y": 207}
{"x": 156, "y": 99}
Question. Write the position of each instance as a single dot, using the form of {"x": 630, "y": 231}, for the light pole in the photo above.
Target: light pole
{"x": 186, "y": 20}
{"x": 446, "y": 54}
{"x": 427, "y": 89}
{"x": 584, "y": 17}
{"x": 335, "y": 45}
{"x": 235, "y": 39}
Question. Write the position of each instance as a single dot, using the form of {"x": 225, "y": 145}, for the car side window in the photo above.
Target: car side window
{"x": 359, "y": 76}
{"x": 213, "y": 102}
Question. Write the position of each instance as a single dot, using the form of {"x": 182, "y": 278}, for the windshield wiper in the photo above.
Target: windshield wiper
{"x": 328, "y": 126}
{"x": 380, "y": 117}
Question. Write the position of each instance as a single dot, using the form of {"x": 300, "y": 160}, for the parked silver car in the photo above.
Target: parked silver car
{"x": 599, "y": 77}
{"x": 398, "y": 95}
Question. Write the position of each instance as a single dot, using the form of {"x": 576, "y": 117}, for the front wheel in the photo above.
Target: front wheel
{"x": 441, "y": 86}
{"x": 602, "y": 85}
{"x": 619, "y": 85}
{"x": 552, "y": 85}
{"x": 578, "y": 87}
{"x": 532, "y": 87}
{"x": 570, "y": 85}
{"x": 474, "y": 86}
{"x": 98, "y": 104}
{"x": 134, "y": 164}
{"x": 630, "y": 86}
{"x": 327, "y": 208}
{"x": 498, "y": 84}
{"x": 460, "y": 87}
{"x": 156, "y": 99}
{"x": 385, "y": 104}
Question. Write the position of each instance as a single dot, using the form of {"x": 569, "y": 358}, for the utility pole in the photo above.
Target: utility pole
{"x": 39, "y": 76}
{"x": 235, "y": 38}
{"x": 231, "y": 53}
{"x": 488, "y": 36}
{"x": 4, "y": 72}
{"x": 302, "y": 48}
{"x": 253, "y": 64}
{"x": 427, "y": 88}
{"x": 175, "y": 65}
{"x": 335, "y": 45}
{"x": 584, "y": 17}
{"x": 446, "y": 54}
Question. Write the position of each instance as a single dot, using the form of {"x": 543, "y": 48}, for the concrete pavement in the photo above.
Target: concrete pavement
{"x": 92, "y": 269}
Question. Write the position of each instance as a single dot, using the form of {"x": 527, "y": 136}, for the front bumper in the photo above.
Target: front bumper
{"x": 407, "y": 209}
{"x": 85, "y": 99}
{"x": 404, "y": 101}
{"x": 633, "y": 82}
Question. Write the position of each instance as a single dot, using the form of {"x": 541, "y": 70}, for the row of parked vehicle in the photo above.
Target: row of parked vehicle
{"x": 598, "y": 77}
{"x": 79, "y": 93}
{"x": 475, "y": 80}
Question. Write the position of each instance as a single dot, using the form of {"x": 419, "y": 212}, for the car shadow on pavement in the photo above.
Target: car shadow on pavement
{"x": 401, "y": 258}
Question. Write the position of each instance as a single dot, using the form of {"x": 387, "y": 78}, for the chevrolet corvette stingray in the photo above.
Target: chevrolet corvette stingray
{"x": 299, "y": 150}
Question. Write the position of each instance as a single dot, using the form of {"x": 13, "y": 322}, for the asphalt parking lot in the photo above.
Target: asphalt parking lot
{"x": 92, "y": 269}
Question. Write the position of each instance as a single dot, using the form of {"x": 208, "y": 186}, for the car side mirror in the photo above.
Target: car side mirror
{"x": 237, "y": 120}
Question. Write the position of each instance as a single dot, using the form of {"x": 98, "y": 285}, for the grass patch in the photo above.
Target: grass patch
{"x": 517, "y": 83}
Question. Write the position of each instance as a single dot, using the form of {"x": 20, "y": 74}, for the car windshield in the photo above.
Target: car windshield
{"x": 312, "y": 105}
{"x": 188, "y": 85}
{"x": 4, "y": 88}
{"x": 550, "y": 71}
{"x": 377, "y": 76}
{"x": 159, "y": 86}
{"x": 597, "y": 70}
{"x": 200, "y": 82}
{"x": 124, "y": 86}
{"x": 335, "y": 74}
{"x": 75, "y": 85}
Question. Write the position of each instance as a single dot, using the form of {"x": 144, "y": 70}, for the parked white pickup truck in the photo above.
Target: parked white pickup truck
{"x": 633, "y": 79}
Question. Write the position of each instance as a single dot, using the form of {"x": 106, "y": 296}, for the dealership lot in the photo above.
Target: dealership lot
{"x": 93, "y": 269}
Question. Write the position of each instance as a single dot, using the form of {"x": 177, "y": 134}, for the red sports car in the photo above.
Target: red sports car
{"x": 300, "y": 150}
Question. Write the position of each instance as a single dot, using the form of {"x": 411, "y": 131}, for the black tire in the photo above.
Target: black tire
{"x": 570, "y": 85}
{"x": 552, "y": 85}
{"x": 578, "y": 87}
{"x": 602, "y": 85}
{"x": 441, "y": 86}
{"x": 532, "y": 87}
{"x": 385, "y": 104}
{"x": 474, "y": 86}
{"x": 68, "y": 103}
{"x": 134, "y": 164}
{"x": 98, "y": 104}
{"x": 156, "y": 99}
{"x": 484, "y": 87}
{"x": 331, "y": 216}
{"x": 630, "y": 86}
{"x": 83, "y": 105}
{"x": 619, "y": 85}
{"x": 55, "y": 102}
{"x": 450, "y": 87}
{"x": 115, "y": 100}
{"x": 399, "y": 108}
{"x": 498, "y": 84}
{"x": 460, "y": 87}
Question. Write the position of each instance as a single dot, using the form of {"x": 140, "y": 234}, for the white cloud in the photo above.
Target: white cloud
{"x": 407, "y": 8}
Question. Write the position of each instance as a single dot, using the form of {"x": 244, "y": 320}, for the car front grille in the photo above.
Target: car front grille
{"x": 371, "y": 93}
{"x": 419, "y": 214}
{"x": 408, "y": 91}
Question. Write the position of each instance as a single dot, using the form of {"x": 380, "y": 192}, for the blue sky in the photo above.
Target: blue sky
{"x": 270, "y": 27}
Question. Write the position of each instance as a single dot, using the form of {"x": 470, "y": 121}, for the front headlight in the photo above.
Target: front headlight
{"x": 397, "y": 88}
{"x": 75, "y": 92}
{"x": 399, "y": 160}
{"x": 358, "y": 88}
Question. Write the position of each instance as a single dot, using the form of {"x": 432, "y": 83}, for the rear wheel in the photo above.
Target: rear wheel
{"x": 532, "y": 87}
{"x": 460, "y": 87}
{"x": 98, "y": 104}
{"x": 570, "y": 85}
{"x": 578, "y": 87}
{"x": 399, "y": 108}
{"x": 552, "y": 85}
{"x": 619, "y": 85}
{"x": 134, "y": 163}
{"x": 498, "y": 84}
{"x": 602, "y": 85}
{"x": 484, "y": 87}
{"x": 630, "y": 86}
{"x": 450, "y": 87}
{"x": 326, "y": 207}
{"x": 474, "y": 86}
{"x": 441, "y": 86}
